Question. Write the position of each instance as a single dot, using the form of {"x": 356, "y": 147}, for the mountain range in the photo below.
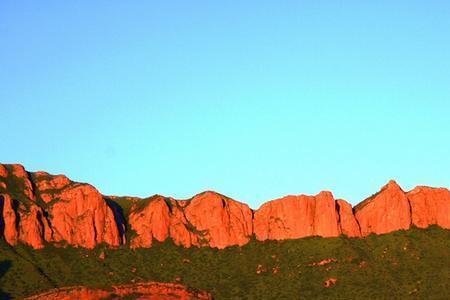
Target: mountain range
{"x": 38, "y": 208}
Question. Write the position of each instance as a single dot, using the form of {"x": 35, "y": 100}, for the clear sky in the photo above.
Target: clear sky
{"x": 253, "y": 99}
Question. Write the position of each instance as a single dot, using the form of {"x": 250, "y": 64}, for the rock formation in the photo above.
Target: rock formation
{"x": 347, "y": 221}
{"x": 9, "y": 224}
{"x": 384, "y": 212}
{"x": 294, "y": 217}
{"x": 147, "y": 290}
{"x": 208, "y": 219}
{"x": 39, "y": 208}
{"x": 82, "y": 217}
{"x": 430, "y": 206}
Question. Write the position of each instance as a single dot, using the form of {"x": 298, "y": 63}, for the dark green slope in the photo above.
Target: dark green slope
{"x": 413, "y": 264}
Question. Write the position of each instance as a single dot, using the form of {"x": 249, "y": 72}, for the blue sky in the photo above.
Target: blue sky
{"x": 255, "y": 100}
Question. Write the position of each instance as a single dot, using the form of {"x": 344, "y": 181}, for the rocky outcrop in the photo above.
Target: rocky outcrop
{"x": 347, "y": 221}
{"x": 46, "y": 182}
{"x": 223, "y": 221}
{"x": 27, "y": 226}
{"x": 39, "y": 208}
{"x": 150, "y": 222}
{"x": 3, "y": 171}
{"x": 22, "y": 179}
{"x": 75, "y": 214}
{"x": 81, "y": 217}
{"x": 430, "y": 206}
{"x": 295, "y": 217}
{"x": 147, "y": 290}
{"x": 208, "y": 219}
{"x": 34, "y": 228}
{"x": 9, "y": 224}
{"x": 384, "y": 212}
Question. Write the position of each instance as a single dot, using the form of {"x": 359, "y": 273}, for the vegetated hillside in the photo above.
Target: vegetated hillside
{"x": 402, "y": 264}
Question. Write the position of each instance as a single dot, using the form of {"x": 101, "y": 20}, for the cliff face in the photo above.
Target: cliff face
{"x": 294, "y": 217}
{"x": 39, "y": 208}
{"x": 208, "y": 219}
{"x": 347, "y": 221}
{"x": 429, "y": 206}
{"x": 386, "y": 211}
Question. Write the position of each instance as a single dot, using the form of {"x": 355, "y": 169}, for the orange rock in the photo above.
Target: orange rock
{"x": 10, "y": 232}
{"x": 208, "y": 219}
{"x": 82, "y": 218}
{"x": 330, "y": 282}
{"x": 52, "y": 182}
{"x": 77, "y": 214}
{"x": 347, "y": 221}
{"x": 151, "y": 222}
{"x": 19, "y": 172}
{"x": 3, "y": 171}
{"x": 294, "y": 217}
{"x": 324, "y": 262}
{"x": 384, "y": 212}
{"x": 290, "y": 217}
{"x": 34, "y": 227}
{"x": 430, "y": 206}
{"x": 159, "y": 219}
{"x": 148, "y": 290}
{"x": 224, "y": 221}
{"x": 181, "y": 230}
{"x": 325, "y": 216}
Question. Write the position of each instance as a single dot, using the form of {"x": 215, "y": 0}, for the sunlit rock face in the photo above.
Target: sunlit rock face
{"x": 294, "y": 217}
{"x": 37, "y": 208}
{"x": 347, "y": 221}
{"x": 386, "y": 211}
{"x": 81, "y": 217}
{"x": 208, "y": 219}
{"x": 430, "y": 206}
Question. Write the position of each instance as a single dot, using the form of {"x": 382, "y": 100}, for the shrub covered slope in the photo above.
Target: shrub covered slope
{"x": 400, "y": 265}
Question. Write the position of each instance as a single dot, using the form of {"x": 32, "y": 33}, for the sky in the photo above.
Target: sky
{"x": 252, "y": 99}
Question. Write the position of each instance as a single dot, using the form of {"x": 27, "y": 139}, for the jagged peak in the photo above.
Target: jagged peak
{"x": 392, "y": 185}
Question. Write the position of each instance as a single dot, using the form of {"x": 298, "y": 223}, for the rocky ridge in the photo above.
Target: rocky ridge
{"x": 37, "y": 208}
{"x": 146, "y": 290}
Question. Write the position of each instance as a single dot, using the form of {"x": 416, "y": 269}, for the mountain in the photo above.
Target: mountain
{"x": 38, "y": 208}
{"x": 61, "y": 239}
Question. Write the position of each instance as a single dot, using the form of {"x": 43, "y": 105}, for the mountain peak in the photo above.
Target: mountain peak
{"x": 392, "y": 184}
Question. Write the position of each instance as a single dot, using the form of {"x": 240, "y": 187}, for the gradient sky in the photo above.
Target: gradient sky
{"x": 255, "y": 100}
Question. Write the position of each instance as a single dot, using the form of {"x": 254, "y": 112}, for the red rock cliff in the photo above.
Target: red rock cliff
{"x": 39, "y": 208}
{"x": 294, "y": 217}
{"x": 386, "y": 211}
{"x": 430, "y": 206}
{"x": 208, "y": 219}
{"x": 347, "y": 221}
